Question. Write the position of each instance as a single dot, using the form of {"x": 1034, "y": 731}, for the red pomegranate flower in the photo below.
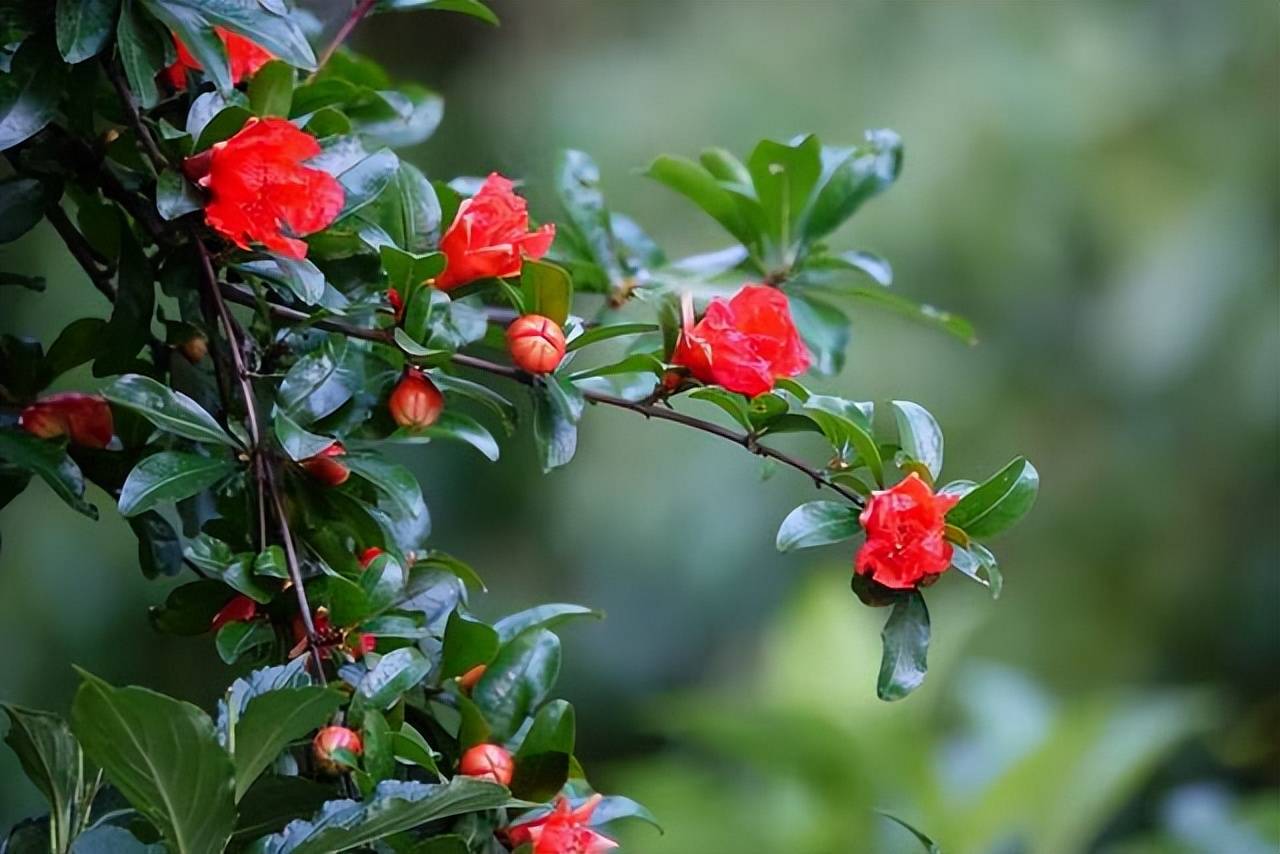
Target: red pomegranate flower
{"x": 84, "y": 418}
{"x": 490, "y": 235}
{"x": 259, "y": 191}
{"x": 238, "y": 610}
{"x": 245, "y": 58}
{"x": 905, "y": 534}
{"x": 744, "y": 343}
{"x": 325, "y": 466}
{"x": 563, "y": 831}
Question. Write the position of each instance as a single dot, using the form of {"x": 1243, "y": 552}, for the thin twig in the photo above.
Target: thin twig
{"x": 364, "y": 7}
{"x": 158, "y": 160}
{"x": 649, "y": 410}
{"x": 85, "y": 255}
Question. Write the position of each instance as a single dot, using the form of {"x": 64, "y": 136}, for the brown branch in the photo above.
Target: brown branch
{"x": 87, "y": 257}
{"x": 158, "y": 160}
{"x": 364, "y": 7}
{"x": 647, "y": 409}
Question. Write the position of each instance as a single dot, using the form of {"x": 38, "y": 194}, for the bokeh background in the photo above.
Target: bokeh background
{"x": 1097, "y": 186}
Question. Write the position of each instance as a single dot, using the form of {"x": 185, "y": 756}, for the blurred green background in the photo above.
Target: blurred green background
{"x": 1097, "y": 186}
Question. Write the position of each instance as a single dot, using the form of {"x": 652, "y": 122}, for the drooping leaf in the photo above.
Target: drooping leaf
{"x": 23, "y": 202}
{"x": 298, "y": 443}
{"x": 30, "y": 91}
{"x": 141, "y": 52}
{"x": 84, "y": 26}
{"x": 543, "y": 760}
{"x": 51, "y": 759}
{"x": 159, "y": 547}
{"x": 919, "y": 434}
{"x": 162, "y": 755}
{"x": 906, "y": 648}
{"x": 49, "y": 460}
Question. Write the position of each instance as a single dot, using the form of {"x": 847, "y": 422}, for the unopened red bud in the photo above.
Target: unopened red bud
{"x": 369, "y": 555}
{"x": 536, "y": 343}
{"x": 84, "y": 418}
{"x": 415, "y": 402}
{"x": 330, "y": 739}
{"x": 397, "y": 303}
{"x": 468, "y": 680}
{"x": 238, "y": 610}
{"x": 325, "y": 466}
{"x": 195, "y": 348}
{"x": 361, "y": 644}
{"x": 488, "y": 762}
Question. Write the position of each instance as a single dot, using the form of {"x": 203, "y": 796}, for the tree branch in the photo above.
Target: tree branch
{"x": 364, "y": 7}
{"x": 648, "y": 410}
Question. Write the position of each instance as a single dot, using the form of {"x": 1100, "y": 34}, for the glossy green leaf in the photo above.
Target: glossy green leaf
{"x": 850, "y": 176}
{"x": 467, "y": 643}
{"x": 162, "y": 755}
{"x": 170, "y": 410}
{"x": 272, "y": 802}
{"x": 364, "y": 180}
{"x": 23, "y": 202}
{"x": 518, "y": 680}
{"x": 141, "y": 52}
{"x": 30, "y": 91}
{"x": 636, "y": 363}
{"x": 271, "y": 90}
{"x": 319, "y": 383}
{"x": 604, "y": 333}
{"x": 578, "y": 187}
{"x": 396, "y": 672}
{"x": 51, "y": 759}
{"x": 448, "y": 563}
{"x": 929, "y": 845}
{"x": 700, "y": 187}
{"x": 547, "y": 290}
{"x": 842, "y": 424}
{"x": 298, "y": 444}
{"x": 75, "y": 345}
{"x": 731, "y": 402}
{"x": 818, "y": 523}
{"x": 999, "y": 502}
{"x": 159, "y": 547}
{"x": 474, "y": 8}
{"x": 919, "y": 434}
{"x": 238, "y": 639}
{"x": 392, "y": 479}
{"x": 84, "y": 26}
{"x": 543, "y": 617}
{"x": 825, "y": 330}
{"x": 110, "y": 839}
{"x": 784, "y": 176}
{"x": 556, "y": 410}
{"x": 170, "y": 476}
{"x": 280, "y": 35}
{"x": 273, "y": 720}
{"x": 301, "y": 277}
{"x": 543, "y": 760}
{"x": 49, "y": 460}
{"x": 408, "y": 270}
{"x": 906, "y": 648}
{"x": 411, "y": 748}
{"x": 393, "y": 808}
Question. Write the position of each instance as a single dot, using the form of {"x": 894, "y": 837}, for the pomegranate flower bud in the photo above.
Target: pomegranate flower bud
{"x": 325, "y": 467}
{"x": 488, "y": 762}
{"x": 194, "y": 348}
{"x": 84, "y": 418}
{"x": 536, "y": 343}
{"x": 238, "y": 610}
{"x": 468, "y": 680}
{"x": 415, "y": 402}
{"x": 369, "y": 555}
{"x": 330, "y": 739}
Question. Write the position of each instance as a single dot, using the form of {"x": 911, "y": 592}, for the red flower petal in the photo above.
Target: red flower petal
{"x": 85, "y": 419}
{"x": 905, "y": 534}
{"x": 490, "y": 236}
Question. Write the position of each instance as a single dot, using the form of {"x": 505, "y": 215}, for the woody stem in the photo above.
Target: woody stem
{"x": 364, "y": 7}
{"x": 649, "y": 410}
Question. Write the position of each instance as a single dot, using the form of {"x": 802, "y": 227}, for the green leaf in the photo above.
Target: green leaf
{"x": 919, "y": 434}
{"x": 604, "y": 333}
{"x": 379, "y": 754}
{"x": 23, "y": 202}
{"x": 30, "y": 91}
{"x": 175, "y": 196}
{"x": 271, "y": 562}
{"x": 110, "y": 839}
{"x": 841, "y": 422}
{"x": 818, "y": 523}
{"x": 84, "y": 27}
{"x": 130, "y": 325}
{"x": 49, "y": 460}
{"x": 237, "y": 639}
{"x": 197, "y": 34}
{"x": 408, "y": 270}
{"x": 162, "y": 755}
{"x": 51, "y": 759}
{"x": 364, "y": 180}
{"x": 454, "y": 566}
{"x": 578, "y": 186}
{"x": 929, "y": 845}
{"x": 518, "y": 680}
{"x": 636, "y": 363}
{"x": 543, "y": 617}
{"x": 273, "y": 802}
{"x": 271, "y": 721}
{"x": 547, "y": 290}
{"x": 467, "y": 643}
{"x": 188, "y": 610}
{"x": 394, "y": 808}
{"x": 159, "y": 547}
{"x": 396, "y": 672}
{"x": 142, "y": 52}
{"x": 76, "y": 344}
{"x": 280, "y": 35}
{"x": 166, "y": 408}
{"x": 906, "y": 648}
{"x": 556, "y": 410}
{"x": 169, "y": 476}
{"x": 999, "y": 502}
{"x": 783, "y": 177}
{"x": 700, "y": 187}
{"x": 319, "y": 383}
{"x": 474, "y": 8}
{"x": 542, "y": 762}
{"x": 731, "y": 402}
{"x": 850, "y": 176}
{"x": 303, "y": 278}
{"x": 298, "y": 443}
{"x": 824, "y": 328}
{"x": 392, "y": 479}
{"x": 271, "y": 90}
{"x": 898, "y": 304}
{"x": 412, "y": 749}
